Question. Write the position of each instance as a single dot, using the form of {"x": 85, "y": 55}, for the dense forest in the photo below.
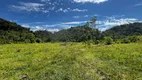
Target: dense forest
{"x": 73, "y": 34}
{"x": 76, "y": 34}
{"x": 11, "y": 32}
{"x": 122, "y": 31}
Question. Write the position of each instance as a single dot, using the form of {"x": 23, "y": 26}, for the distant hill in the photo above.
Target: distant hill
{"x": 124, "y": 30}
{"x": 43, "y": 35}
{"x": 11, "y": 32}
{"x": 77, "y": 34}
{"x": 7, "y": 25}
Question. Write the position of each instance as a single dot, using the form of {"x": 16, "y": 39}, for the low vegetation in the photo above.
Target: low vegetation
{"x": 71, "y": 61}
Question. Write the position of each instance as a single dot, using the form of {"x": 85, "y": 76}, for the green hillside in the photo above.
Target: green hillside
{"x": 77, "y": 34}
{"x": 124, "y": 30}
{"x": 11, "y": 32}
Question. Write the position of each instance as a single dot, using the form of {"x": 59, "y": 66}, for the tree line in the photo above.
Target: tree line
{"x": 11, "y": 32}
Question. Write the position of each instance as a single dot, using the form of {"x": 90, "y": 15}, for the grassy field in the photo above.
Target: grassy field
{"x": 71, "y": 61}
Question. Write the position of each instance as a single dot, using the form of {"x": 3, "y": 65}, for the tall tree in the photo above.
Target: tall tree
{"x": 93, "y": 22}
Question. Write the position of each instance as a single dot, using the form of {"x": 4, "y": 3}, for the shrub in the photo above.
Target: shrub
{"x": 125, "y": 40}
{"x": 32, "y": 41}
{"x": 27, "y": 41}
{"x": 96, "y": 41}
{"x": 134, "y": 39}
{"x": 38, "y": 40}
{"x": 108, "y": 40}
{"x": 130, "y": 39}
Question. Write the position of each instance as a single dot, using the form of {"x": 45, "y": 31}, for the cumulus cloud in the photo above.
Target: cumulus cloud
{"x": 26, "y": 25}
{"x": 112, "y": 21}
{"x": 90, "y": 1}
{"x": 53, "y": 30}
{"x": 115, "y": 22}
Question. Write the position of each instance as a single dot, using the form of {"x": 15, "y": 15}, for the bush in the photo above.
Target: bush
{"x": 96, "y": 41}
{"x": 38, "y": 40}
{"x": 130, "y": 39}
{"x": 125, "y": 40}
{"x": 27, "y": 41}
{"x": 108, "y": 40}
{"x": 118, "y": 41}
{"x": 88, "y": 43}
{"x": 134, "y": 39}
{"x": 32, "y": 41}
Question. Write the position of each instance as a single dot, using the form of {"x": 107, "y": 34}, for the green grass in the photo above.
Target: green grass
{"x": 74, "y": 61}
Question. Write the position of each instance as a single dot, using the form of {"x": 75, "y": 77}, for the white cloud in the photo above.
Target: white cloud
{"x": 74, "y": 23}
{"x": 26, "y": 25}
{"x": 53, "y": 27}
{"x": 60, "y": 26}
{"x": 62, "y": 10}
{"x": 139, "y": 4}
{"x": 35, "y": 28}
{"x": 71, "y": 10}
{"x": 90, "y": 1}
{"x": 38, "y": 27}
{"x": 32, "y": 4}
{"x": 115, "y": 22}
{"x": 44, "y": 7}
{"x": 112, "y": 21}
{"x": 53, "y": 30}
{"x": 64, "y": 25}
{"x": 28, "y": 7}
{"x": 86, "y": 16}
{"x": 76, "y": 17}
{"x": 79, "y": 10}
{"x": 45, "y": 0}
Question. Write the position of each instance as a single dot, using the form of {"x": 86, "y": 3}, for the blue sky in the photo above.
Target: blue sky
{"x": 54, "y": 15}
